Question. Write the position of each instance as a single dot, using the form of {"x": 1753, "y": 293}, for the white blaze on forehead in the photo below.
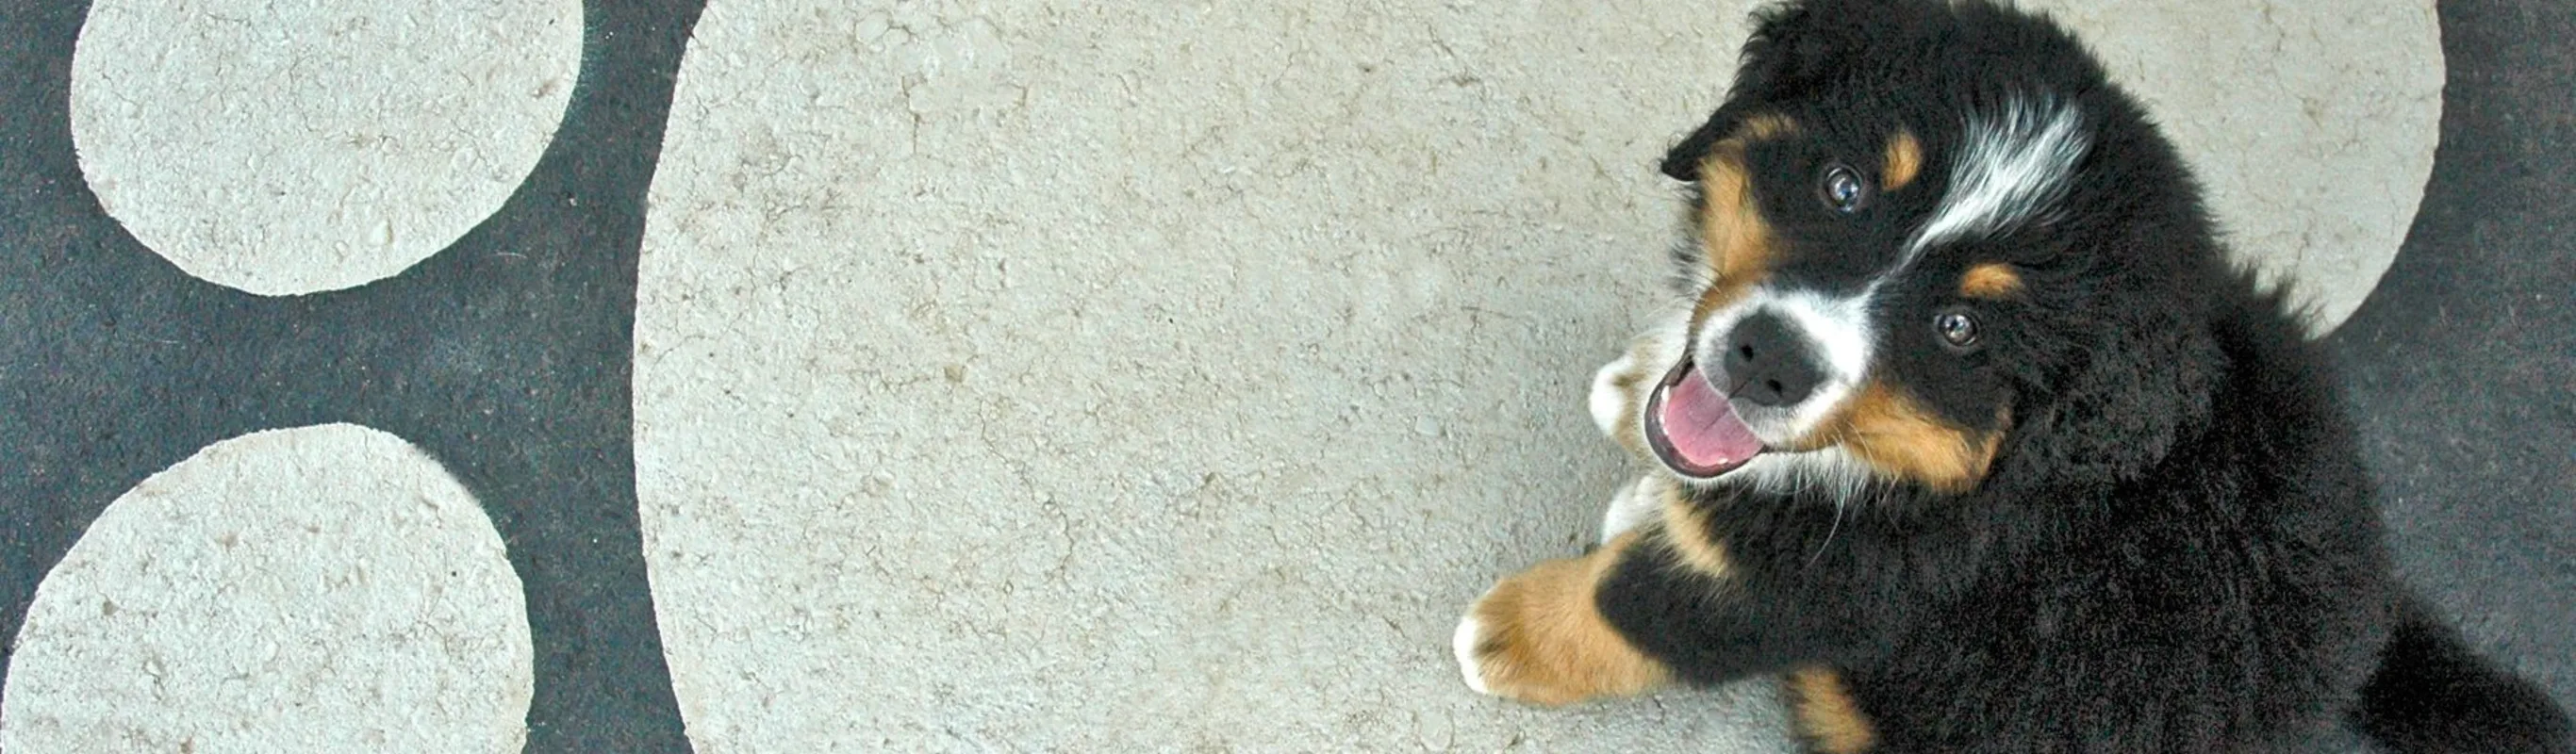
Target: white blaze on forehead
{"x": 2012, "y": 165}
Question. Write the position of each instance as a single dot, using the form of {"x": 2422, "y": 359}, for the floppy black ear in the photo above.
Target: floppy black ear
{"x": 1781, "y": 45}
{"x": 1797, "y": 46}
{"x": 1682, "y": 162}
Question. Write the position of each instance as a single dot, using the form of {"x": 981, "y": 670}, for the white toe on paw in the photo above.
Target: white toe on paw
{"x": 1470, "y": 631}
{"x": 1634, "y": 505}
{"x": 1619, "y": 388}
{"x": 1610, "y": 397}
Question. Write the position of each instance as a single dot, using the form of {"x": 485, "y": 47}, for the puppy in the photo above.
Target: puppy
{"x": 1971, "y": 430}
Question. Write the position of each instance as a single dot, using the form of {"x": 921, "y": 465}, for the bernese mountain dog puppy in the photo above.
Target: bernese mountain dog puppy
{"x": 1971, "y": 431}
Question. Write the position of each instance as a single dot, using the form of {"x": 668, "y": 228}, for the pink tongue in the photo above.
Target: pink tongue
{"x": 1703, "y": 429}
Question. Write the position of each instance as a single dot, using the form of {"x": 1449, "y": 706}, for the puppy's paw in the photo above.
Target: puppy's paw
{"x": 1634, "y": 505}
{"x": 1498, "y": 656}
{"x": 1463, "y": 643}
{"x": 1538, "y": 638}
{"x": 1619, "y": 388}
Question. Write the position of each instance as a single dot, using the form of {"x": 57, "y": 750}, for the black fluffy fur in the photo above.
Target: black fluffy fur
{"x": 2176, "y": 549}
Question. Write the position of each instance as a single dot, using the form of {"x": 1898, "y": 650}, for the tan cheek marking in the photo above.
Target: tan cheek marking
{"x": 1734, "y": 238}
{"x": 1546, "y": 641}
{"x": 1686, "y": 530}
{"x": 1828, "y": 715}
{"x": 1890, "y": 431}
{"x": 1904, "y": 161}
{"x": 1991, "y": 280}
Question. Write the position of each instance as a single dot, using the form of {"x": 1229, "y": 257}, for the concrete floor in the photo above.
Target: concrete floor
{"x": 1003, "y": 376}
{"x": 1101, "y": 380}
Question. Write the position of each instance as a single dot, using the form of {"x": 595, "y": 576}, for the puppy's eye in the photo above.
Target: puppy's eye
{"x": 1842, "y": 189}
{"x": 1957, "y": 329}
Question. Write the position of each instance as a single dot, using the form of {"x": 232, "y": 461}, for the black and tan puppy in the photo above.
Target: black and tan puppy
{"x": 1972, "y": 430}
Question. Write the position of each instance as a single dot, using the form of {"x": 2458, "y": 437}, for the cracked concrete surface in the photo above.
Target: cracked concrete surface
{"x": 1051, "y": 376}
{"x": 292, "y": 146}
{"x": 324, "y": 588}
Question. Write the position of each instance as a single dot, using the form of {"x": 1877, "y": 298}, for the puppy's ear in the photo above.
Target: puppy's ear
{"x": 1776, "y": 58}
{"x": 1682, "y": 162}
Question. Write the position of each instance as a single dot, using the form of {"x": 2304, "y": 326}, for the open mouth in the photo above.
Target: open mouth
{"x": 1694, "y": 429}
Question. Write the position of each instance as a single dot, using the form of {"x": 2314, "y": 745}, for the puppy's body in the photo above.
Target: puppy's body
{"x": 1972, "y": 430}
{"x": 2234, "y": 594}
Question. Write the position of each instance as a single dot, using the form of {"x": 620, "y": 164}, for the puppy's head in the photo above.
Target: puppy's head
{"x": 1927, "y": 236}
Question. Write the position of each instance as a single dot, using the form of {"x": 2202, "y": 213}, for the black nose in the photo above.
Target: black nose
{"x": 1769, "y": 363}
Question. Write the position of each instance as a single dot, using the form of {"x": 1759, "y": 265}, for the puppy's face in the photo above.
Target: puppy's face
{"x": 1877, "y": 214}
{"x": 1841, "y": 326}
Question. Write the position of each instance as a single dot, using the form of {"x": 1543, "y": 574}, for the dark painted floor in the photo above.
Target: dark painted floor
{"x": 512, "y": 370}
{"x": 2462, "y": 364}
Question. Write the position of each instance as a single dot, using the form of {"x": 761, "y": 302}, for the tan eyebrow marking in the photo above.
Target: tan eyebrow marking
{"x": 1765, "y": 127}
{"x": 1904, "y": 161}
{"x": 1990, "y": 280}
